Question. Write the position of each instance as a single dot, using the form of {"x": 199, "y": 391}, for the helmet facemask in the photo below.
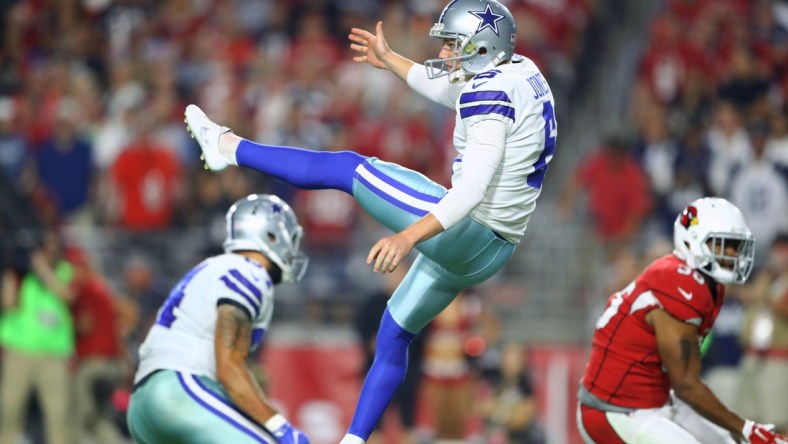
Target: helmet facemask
{"x": 715, "y": 262}
{"x": 440, "y": 67}
{"x": 283, "y": 250}
{"x": 703, "y": 232}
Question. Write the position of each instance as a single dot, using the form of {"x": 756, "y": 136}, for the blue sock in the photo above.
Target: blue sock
{"x": 305, "y": 169}
{"x": 384, "y": 378}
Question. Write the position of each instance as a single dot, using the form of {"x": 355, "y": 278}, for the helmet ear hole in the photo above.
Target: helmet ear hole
{"x": 271, "y": 237}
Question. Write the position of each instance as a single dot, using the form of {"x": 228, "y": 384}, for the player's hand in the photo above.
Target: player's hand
{"x": 284, "y": 432}
{"x": 373, "y": 48}
{"x": 388, "y": 252}
{"x": 754, "y": 433}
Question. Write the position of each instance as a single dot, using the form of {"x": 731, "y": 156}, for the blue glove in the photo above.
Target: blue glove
{"x": 284, "y": 432}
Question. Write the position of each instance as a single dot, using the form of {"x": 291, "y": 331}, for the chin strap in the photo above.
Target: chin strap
{"x": 459, "y": 76}
{"x": 462, "y": 75}
{"x": 497, "y": 60}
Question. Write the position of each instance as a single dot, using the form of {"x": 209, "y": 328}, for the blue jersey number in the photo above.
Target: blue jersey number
{"x": 167, "y": 313}
{"x": 550, "y": 132}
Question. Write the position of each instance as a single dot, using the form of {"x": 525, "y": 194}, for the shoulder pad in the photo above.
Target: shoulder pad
{"x": 681, "y": 290}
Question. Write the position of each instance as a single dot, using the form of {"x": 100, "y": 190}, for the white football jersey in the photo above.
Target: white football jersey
{"x": 182, "y": 338}
{"x": 517, "y": 94}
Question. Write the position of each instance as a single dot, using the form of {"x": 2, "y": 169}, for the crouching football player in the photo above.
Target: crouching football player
{"x": 642, "y": 383}
{"x": 193, "y": 385}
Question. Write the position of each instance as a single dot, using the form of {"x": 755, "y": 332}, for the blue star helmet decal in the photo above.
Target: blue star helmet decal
{"x": 488, "y": 18}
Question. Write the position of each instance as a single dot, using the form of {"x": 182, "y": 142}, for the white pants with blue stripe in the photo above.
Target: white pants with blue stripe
{"x": 465, "y": 255}
{"x": 174, "y": 407}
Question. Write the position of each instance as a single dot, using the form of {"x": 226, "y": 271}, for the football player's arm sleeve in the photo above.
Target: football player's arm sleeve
{"x": 484, "y": 152}
{"x": 438, "y": 90}
{"x": 677, "y": 344}
{"x": 231, "y": 344}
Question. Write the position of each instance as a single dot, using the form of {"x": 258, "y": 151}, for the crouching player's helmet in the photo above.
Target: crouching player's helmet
{"x": 705, "y": 230}
{"x": 266, "y": 223}
{"x": 483, "y": 31}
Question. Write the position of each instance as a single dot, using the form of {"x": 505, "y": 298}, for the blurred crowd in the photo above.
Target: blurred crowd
{"x": 103, "y": 200}
{"x": 100, "y": 187}
{"x": 708, "y": 118}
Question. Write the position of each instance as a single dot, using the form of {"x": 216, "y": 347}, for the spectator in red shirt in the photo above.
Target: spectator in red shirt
{"x": 100, "y": 352}
{"x": 662, "y": 69}
{"x": 617, "y": 188}
{"x": 146, "y": 179}
{"x": 329, "y": 218}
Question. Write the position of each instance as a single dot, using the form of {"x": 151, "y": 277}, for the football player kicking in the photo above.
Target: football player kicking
{"x": 505, "y": 135}
{"x": 642, "y": 382}
{"x": 193, "y": 385}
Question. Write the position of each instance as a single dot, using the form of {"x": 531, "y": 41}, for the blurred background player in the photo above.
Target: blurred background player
{"x": 448, "y": 378}
{"x": 763, "y": 382}
{"x": 505, "y": 135}
{"x": 511, "y": 409}
{"x": 647, "y": 341}
{"x": 193, "y": 383}
{"x": 99, "y": 319}
{"x": 37, "y": 339}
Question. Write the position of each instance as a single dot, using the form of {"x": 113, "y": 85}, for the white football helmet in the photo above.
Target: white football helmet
{"x": 484, "y": 33}
{"x": 266, "y": 223}
{"x": 703, "y": 231}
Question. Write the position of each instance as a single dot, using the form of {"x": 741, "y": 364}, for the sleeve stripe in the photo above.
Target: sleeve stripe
{"x": 506, "y": 111}
{"x": 231, "y": 285}
{"x": 480, "y": 96}
{"x": 248, "y": 284}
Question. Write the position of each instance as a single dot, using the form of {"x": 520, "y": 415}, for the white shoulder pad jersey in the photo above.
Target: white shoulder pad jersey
{"x": 182, "y": 338}
{"x": 516, "y": 94}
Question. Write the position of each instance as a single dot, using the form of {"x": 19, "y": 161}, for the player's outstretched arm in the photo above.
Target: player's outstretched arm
{"x": 231, "y": 344}
{"x": 374, "y": 50}
{"x": 679, "y": 350}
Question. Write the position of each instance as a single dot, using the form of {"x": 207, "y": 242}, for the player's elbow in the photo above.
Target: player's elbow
{"x": 228, "y": 372}
{"x": 234, "y": 384}
{"x": 687, "y": 389}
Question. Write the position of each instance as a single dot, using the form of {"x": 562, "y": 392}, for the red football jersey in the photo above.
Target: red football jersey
{"x": 625, "y": 368}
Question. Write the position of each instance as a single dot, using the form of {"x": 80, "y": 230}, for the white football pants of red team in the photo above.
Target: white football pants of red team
{"x": 675, "y": 423}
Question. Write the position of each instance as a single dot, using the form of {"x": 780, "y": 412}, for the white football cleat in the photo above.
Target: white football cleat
{"x": 207, "y": 134}
{"x": 352, "y": 439}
